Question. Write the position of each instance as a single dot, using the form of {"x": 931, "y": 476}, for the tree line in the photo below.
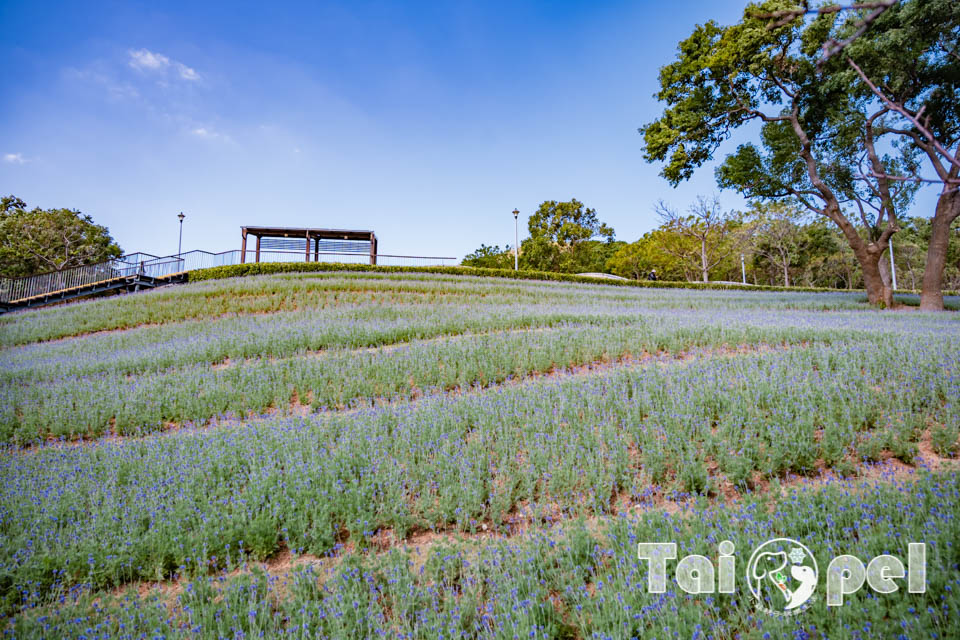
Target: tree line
{"x": 771, "y": 243}
{"x": 857, "y": 107}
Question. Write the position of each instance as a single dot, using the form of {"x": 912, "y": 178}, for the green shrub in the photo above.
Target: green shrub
{"x": 944, "y": 439}
{"x": 266, "y": 268}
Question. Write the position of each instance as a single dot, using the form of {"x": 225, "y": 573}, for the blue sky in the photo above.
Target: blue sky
{"x": 426, "y": 122}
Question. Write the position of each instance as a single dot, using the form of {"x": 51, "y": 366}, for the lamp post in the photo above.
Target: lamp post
{"x": 743, "y": 270}
{"x": 893, "y": 268}
{"x": 516, "y": 240}
{"x": 180, "y": 241}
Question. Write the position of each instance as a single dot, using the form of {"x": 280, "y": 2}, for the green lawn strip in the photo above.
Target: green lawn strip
{"x": 331, "y": 285}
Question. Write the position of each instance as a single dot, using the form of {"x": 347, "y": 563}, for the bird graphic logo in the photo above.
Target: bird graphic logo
{"x": 782, "y": 575}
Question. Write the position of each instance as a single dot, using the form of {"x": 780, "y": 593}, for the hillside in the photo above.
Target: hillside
{"x": 360, "y": 454}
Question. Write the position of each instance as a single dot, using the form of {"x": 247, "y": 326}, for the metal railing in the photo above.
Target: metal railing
{"x": 16, "y": 290}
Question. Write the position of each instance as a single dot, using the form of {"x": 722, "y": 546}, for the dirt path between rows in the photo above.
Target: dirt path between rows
{"x": 393, "y": 346}
{"x": 301, "y": 407}
{"x": 283, "y": 564}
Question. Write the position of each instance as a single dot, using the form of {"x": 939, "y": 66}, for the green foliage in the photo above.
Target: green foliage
{"x": 910, "y": 249}
{"x": 561, "y": 235}
{"x": 573, "y": 581}
{"x": 657, "y": 253}
{"x": 910, "y": 52}
{"x": 56, "y": 404}
{"x": 818, "y": 121}
{"x": 489, "y": 258}
{"x": 41, "y": 240}
{"x": 520, "y": 446}
{"x": 705, "y": 238}
{"x": 721, "y": 74}
{"x": 231, "y": 271}
{"x": 944, "y": 438}
{"x": 567, "y": 223}
{"x": 777, "y": 235}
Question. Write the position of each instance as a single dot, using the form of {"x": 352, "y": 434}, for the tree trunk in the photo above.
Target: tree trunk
{"x": 931, "y": 294}
{"x": 703, "y": 261}
{"x": 878, "y": 292}
{"x": 868, "y": 255}
{"x": 885, "y": 272}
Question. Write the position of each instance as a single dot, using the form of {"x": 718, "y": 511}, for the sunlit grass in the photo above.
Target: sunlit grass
{"x": 388, "y": 406}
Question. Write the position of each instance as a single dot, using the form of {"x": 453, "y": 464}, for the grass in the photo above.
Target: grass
{"x": 215, "y": 299}
{"x": 578, "y": 580}
{"x": 319, "y": 415}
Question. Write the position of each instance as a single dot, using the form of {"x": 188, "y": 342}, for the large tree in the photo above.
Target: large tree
{"x": 908, "y": 66}
{"x": 711, "y": 230}
{"x": 812, "y": 131}
{"x": 41, "y": 240}
{"x": 561, "y": 235}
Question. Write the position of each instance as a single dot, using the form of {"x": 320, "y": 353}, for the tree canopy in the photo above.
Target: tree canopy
{"x": 41, "y": 240}
{"x": 817, "y": 144}
{"x": 488, "y": 257}
{"x": 909, "y": 68}
{"x": 567, "y": 237}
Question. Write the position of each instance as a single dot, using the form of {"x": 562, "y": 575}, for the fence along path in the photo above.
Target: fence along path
{"x": 143, "y": 270}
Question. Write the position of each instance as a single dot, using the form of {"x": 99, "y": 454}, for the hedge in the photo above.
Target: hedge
{"x": 266, "y": 268}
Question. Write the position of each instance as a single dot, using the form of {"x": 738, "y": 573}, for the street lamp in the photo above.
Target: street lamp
{"x": 180, "y": 241}
{"x": 893, "y": 268}
{"x": 516, "y": 240}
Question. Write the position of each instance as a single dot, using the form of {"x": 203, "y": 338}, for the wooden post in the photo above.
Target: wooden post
{"x": 258, "y": 248}
{"x": 373, "y": 249}
{"x": 316, "y": 249}
{"x": 243, "y": 247}
{"x": 306, "y": 255}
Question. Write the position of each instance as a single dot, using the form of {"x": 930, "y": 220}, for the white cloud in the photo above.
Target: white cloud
{"x": 145, "y": 60}
{"x": 187, "y": 73}
{"x": 14, "y": 158}
{"x": 209, "y": 134}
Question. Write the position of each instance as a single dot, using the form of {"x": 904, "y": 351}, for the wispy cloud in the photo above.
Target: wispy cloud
{"x": 146, "y": 61}
{"x": 116, "y": 89}
{"x": 186, "y": 72}
{"x": 14, "y": 158}
{"x": 207, "y": 133}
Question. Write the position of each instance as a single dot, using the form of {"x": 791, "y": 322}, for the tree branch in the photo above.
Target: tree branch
{"x": 914, "y": 118}
{"x": 832, "y": 46}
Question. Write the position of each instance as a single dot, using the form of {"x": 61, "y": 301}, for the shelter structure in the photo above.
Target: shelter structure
{"x": 319, "y": 243}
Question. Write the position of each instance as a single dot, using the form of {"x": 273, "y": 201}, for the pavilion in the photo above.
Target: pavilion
{"x": 315, "y": 242}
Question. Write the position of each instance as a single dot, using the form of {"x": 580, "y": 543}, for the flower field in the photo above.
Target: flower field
{"x": 352, "y": 455}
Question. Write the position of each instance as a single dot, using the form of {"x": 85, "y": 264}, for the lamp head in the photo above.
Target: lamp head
{"x": 515, "y": 214}
{"x": 181, "y": 216}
